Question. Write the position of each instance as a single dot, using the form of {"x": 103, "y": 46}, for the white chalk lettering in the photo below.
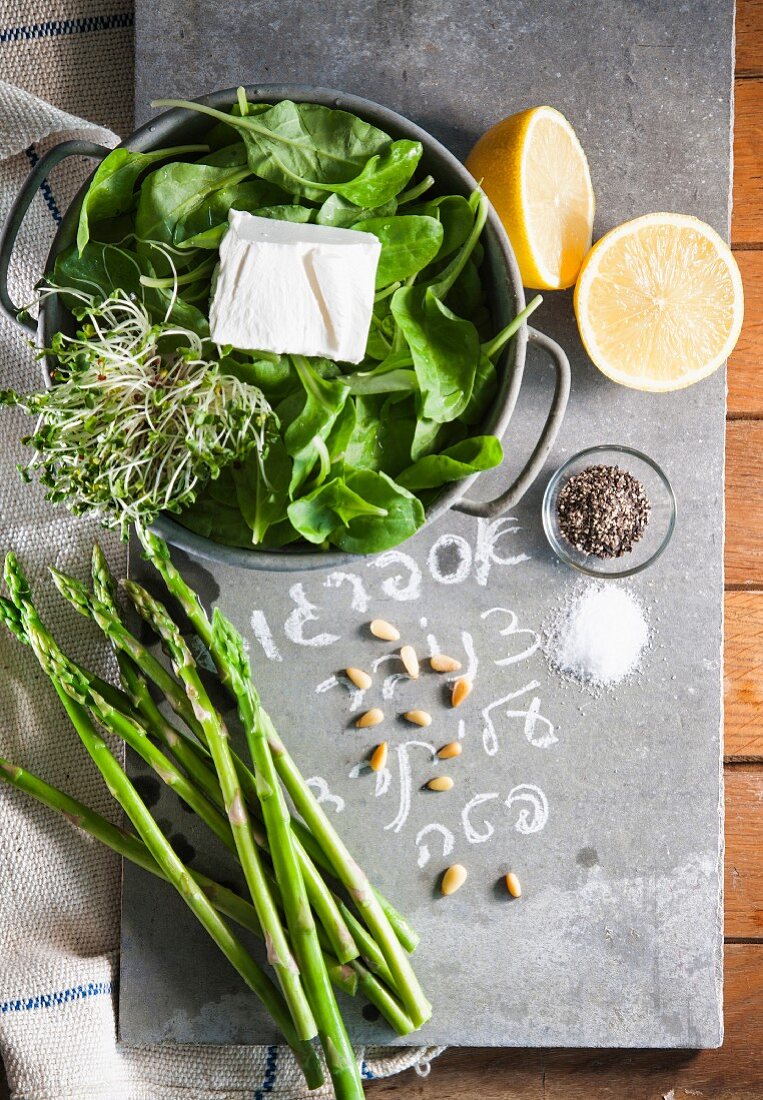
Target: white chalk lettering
{"x": 397, "y": 587}
{"x": 447, "y": 842}
{"x": 263, "y": 635}
{"x": 304, "y": 612}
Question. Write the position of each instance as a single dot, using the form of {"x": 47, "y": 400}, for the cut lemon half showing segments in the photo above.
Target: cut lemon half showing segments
{"x": 659, "y": 302}
{"x": 535, "y": 173}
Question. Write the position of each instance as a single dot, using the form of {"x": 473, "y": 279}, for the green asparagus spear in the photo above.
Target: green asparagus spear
{"x": 343, "y": 865}
{"x": 217, "y": 741}
{"x": 340, "y": 1057}
{"x": 131, "y": 847}
{"x": 192, "y": 755}
{"x": 66, "y": 681}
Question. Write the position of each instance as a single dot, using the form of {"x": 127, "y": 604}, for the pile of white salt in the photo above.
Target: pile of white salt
{"x": 599, "y": 636}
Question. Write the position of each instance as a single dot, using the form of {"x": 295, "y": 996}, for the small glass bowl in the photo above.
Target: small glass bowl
{"x": 662, "y": 512}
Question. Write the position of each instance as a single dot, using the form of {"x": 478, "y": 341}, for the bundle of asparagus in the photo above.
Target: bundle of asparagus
{"x": 324, "y": 926}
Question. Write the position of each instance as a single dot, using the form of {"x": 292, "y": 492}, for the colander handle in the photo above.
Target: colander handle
{"x": 33, "y": 182}
{"x": 489, "y": 509}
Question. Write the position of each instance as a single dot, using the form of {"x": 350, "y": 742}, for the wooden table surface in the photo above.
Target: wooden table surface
{"x": 735, "y": 1072}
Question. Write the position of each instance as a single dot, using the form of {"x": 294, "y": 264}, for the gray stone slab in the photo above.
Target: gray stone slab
{"x": 615, "y": 815}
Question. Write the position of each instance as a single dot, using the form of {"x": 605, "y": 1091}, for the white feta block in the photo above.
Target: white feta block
{"x": 294, "y": 289}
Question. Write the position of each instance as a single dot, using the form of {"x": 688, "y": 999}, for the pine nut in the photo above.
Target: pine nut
{"x": 441, "y": 663}
{"x": 447, "y": 752}
{"x": 462, "y": 689}
{"x": 371, "y": 718}
{"x": 410, "y": 661}
{"x": 380, "y": 628}
{"x": 513, "y": 885}
{"x": 379, "y": 757}
{"x": 453, "y": 879}
{"x": 418, "y": 717}
{"x": 440, "y": 783}
{"x": 359, "y": 678}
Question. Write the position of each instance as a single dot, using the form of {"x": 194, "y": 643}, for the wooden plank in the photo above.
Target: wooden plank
{"x": 734, "y": 1072}
{"x": 747, "y": 222}
{"x": 749, "y": 51}
{"x": 746, "y": 364}
{"x": 744, "y": 503}
{"x": 743, "y": 675}
{"x": 744, "y": 869}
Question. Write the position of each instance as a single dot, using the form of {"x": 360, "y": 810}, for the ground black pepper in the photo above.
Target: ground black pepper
{"x": 603, "y": 510}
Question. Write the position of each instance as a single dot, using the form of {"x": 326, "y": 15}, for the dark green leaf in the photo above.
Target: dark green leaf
{"x": 408, "y": 243}
{"x": 262, "y": 488}
{"x": 323, "y": 401}
{"x": 111, "y": 190}
{"x": 170, "y": 195}
{"x": 343, "y": 214}
{"x": 331, "y": 505}
{"x": 215, "y": 514}
{"x": 102, "y": 268}
{"x": 481, "y": 452}
{"x": 370, "y": 534}
{"x": 445, "y": 350}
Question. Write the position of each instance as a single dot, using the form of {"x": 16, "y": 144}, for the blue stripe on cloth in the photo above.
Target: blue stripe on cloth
{"x": 269, "y": 1080}
{"x": 47, "y": 190}
{"x": 366, "y": 1073}
{"x": 53, "y": 1000}
{"x": 54, "y": 28}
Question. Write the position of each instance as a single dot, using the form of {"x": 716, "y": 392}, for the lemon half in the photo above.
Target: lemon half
{"x": 535, "y": 173}
{"x": 659, "y": 302}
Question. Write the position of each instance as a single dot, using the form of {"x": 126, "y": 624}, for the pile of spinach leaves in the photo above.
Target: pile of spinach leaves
{"x": 359, "y": 451}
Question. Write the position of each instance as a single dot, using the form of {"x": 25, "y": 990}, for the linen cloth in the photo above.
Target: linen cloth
{"x": 59, "y": 890}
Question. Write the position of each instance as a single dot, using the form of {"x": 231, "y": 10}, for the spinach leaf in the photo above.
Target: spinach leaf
{"x": 111, "y": 190}
{"x": 369, "y": 534}
{"x": 456, "y": 217}
{"x": 383, "y": 176}
{"x": 101, "y": 268}
{"x": 466, "y": 295}
{"x": 331, "y": 505}
{"x": 262, "y": 488}
{"x": 228, "y": 156}
{"x": 408, "y": 243}
{"x": 387, "y": 377}
{"x": 338, "y": 439}
{"x": 343, "y": 214}
{"x": 485, "y": 389}
{"x": 309, "y": 149}
{"x": 171, "y": 194}
{"x": 480, "y": 452}
{"x": 383, "y": 434}
{"x": 445, "y": 350}
{"x": 323, "y": 401}
{"x": 215, "y": 514}
{"x": 212, "y": 210}
{"x": 276, "y": 379}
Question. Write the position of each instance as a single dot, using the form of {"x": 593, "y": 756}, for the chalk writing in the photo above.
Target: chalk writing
{"x": 471, "y": 834}
{"x": 513, "y": 628}
{"x": 450, "y": 559}
{"x": 261, "y": 631}
{"x": 425, "y": 855}
{"x": 304, "y": 612}
{"x": 323, "y": 794}
{"x": 404, "y": 773}
{"x": 489, "y": 534}
{"x": 356, "y": 694}
{"x": 395, "y": 586}
{"x": 533, "y": 817}
{"x": 360, "y": 598}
